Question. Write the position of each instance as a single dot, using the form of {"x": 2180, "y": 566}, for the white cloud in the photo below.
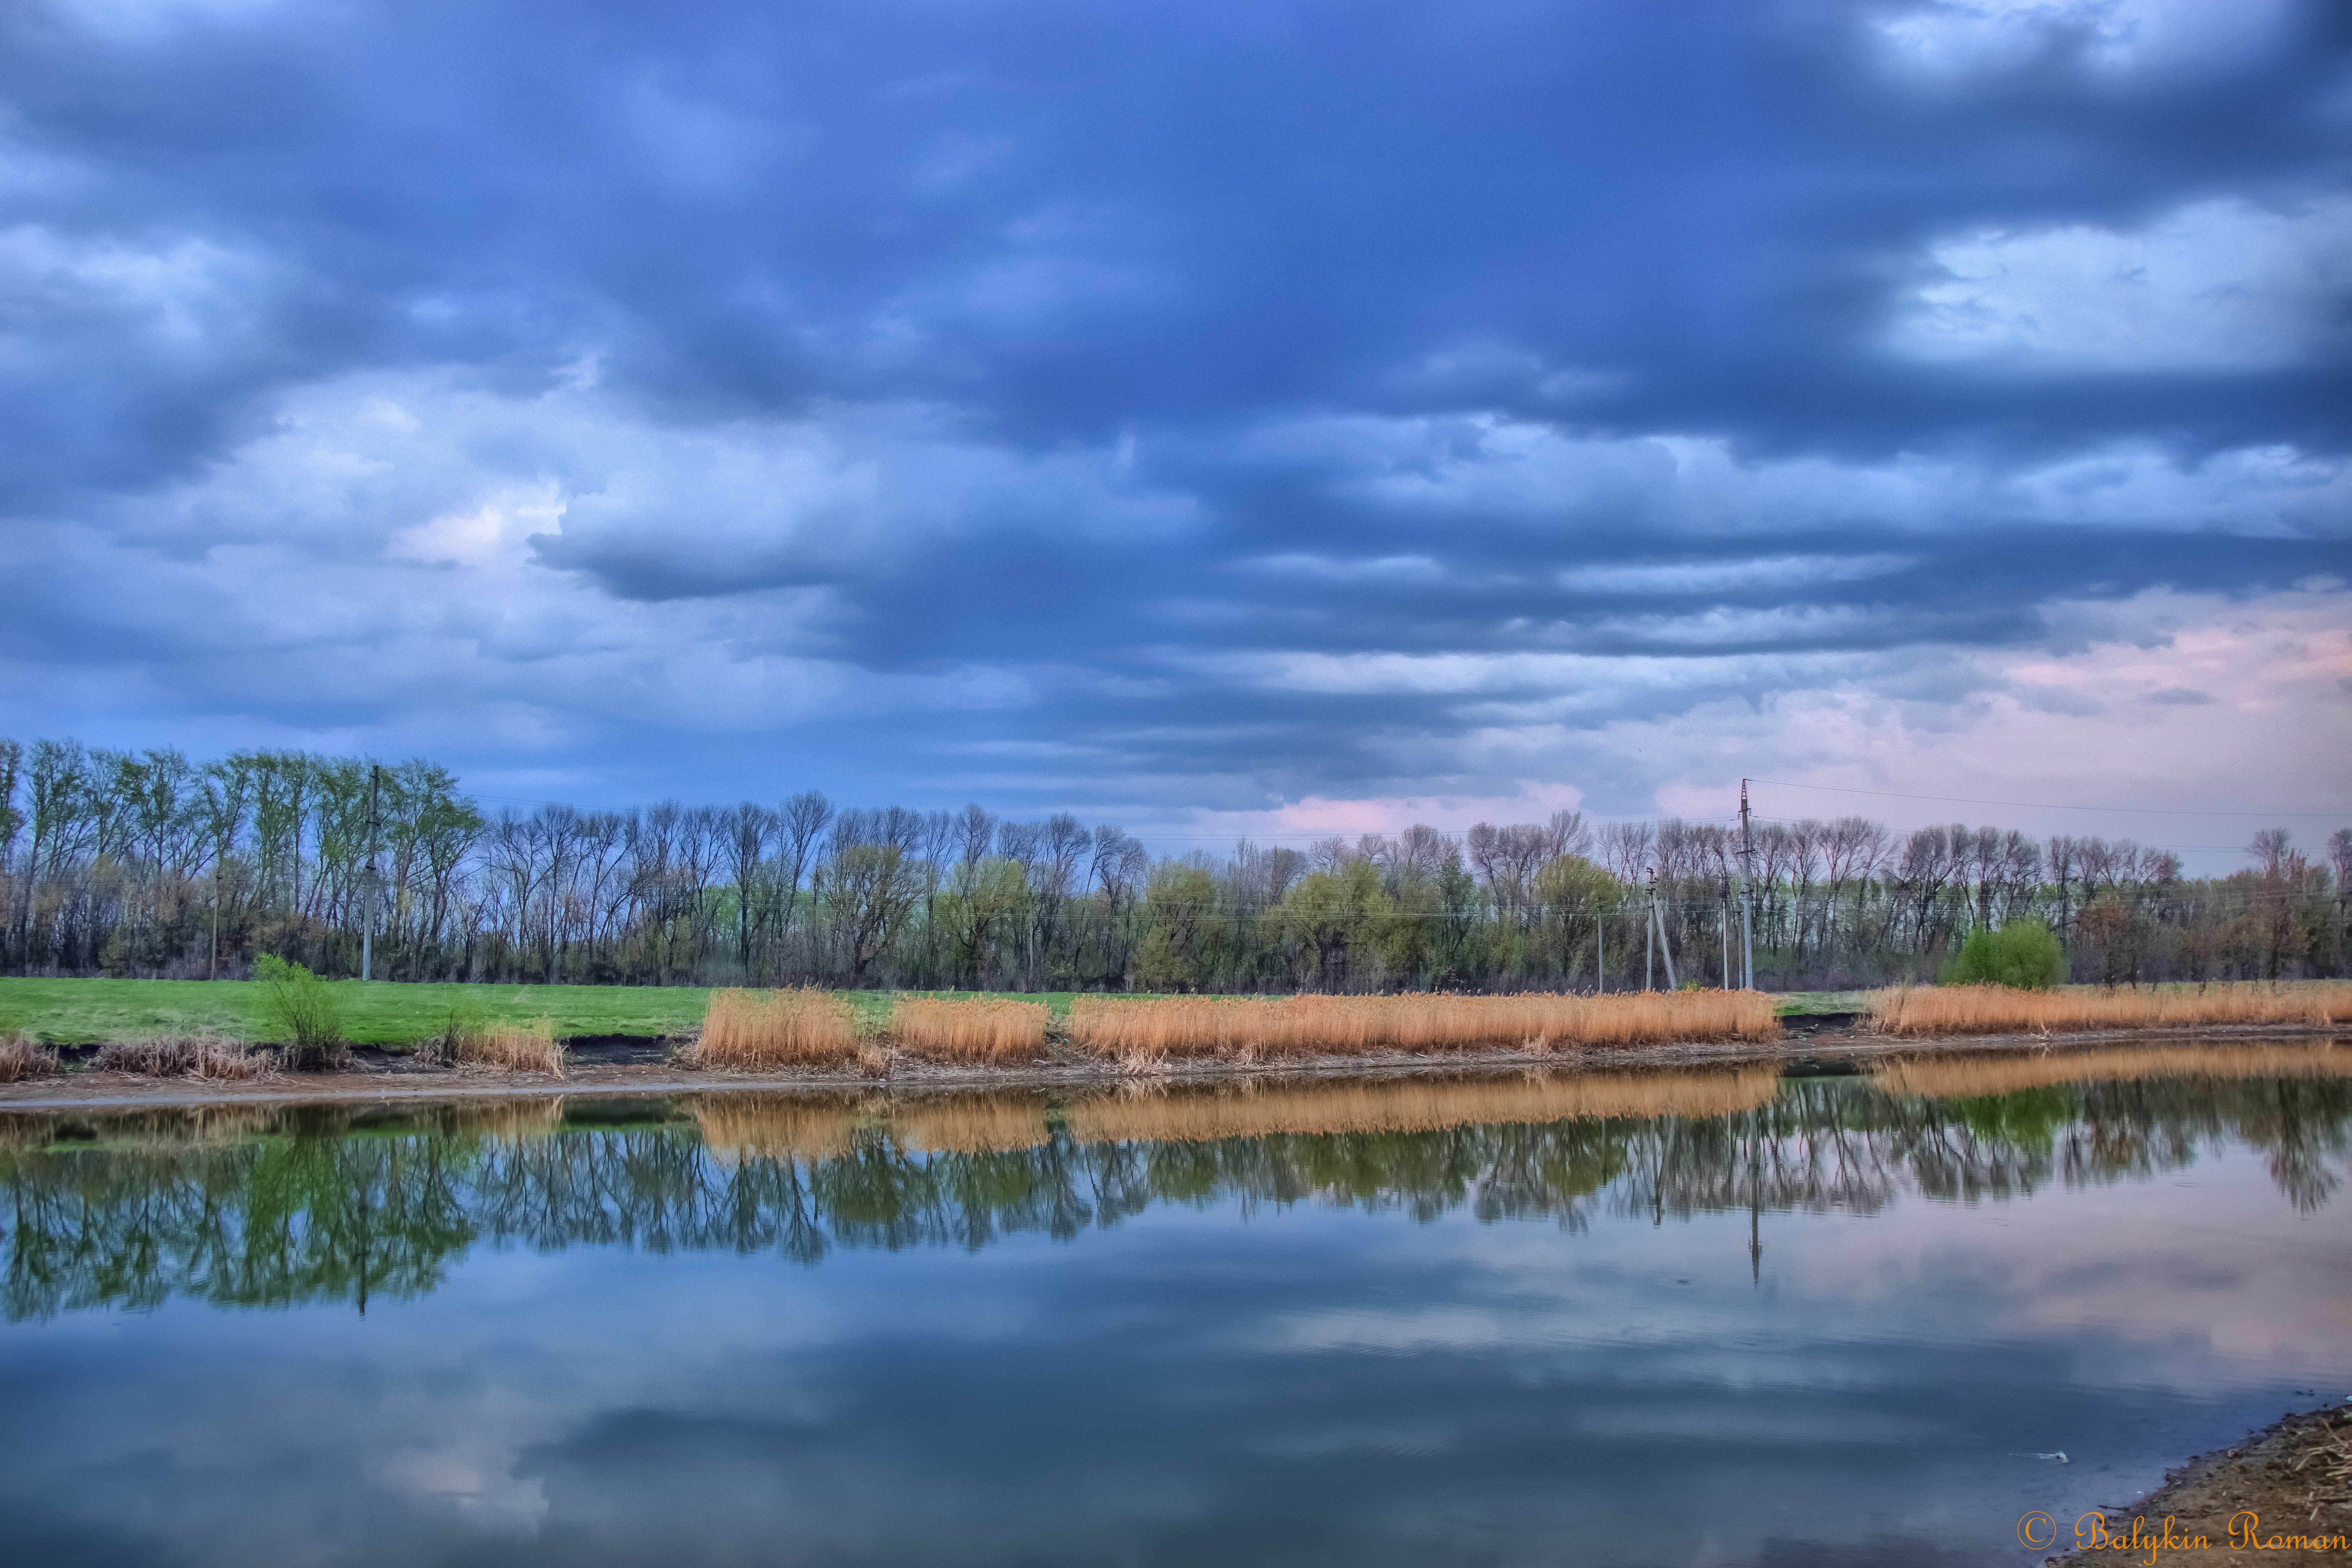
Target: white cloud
{"x": 1955, "y": 36}
{"x": 2218, "y": 286}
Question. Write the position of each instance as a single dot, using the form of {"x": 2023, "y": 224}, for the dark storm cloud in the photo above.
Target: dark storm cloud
{"x": 1110, "y": 345}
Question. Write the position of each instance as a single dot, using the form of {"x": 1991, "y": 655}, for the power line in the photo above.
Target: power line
{"x": 2049, "y": 805}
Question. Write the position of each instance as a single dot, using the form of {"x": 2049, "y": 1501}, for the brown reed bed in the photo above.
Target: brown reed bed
{"x": 965, "y": 1124}
{"x": 1138, "y": 1033}
{"x": 801, "y": 1026}
{"x": 993, "y": 1030}
{"x": 187, "y": 1056}
{"x": 501, "y": 1045}
{"x": 1951, "y": 1077}
{"x": 738, "y": 1127}
{"x": 22, "y": 1057}
{"x": 1168, "y": 1114}
{"x": 2000, "y": 1010}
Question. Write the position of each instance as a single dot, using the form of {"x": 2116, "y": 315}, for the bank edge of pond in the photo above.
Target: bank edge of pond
{"x": 2263, "y": 1498}
{"x": 1825, "y": 1052}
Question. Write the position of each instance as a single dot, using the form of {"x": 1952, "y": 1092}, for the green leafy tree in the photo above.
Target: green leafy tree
{"x": 1186, "y": 933}
{"x": 2023, "y": 953}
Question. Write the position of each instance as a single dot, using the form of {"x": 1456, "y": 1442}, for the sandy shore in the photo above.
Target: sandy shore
{"x": 377, "y": 1077}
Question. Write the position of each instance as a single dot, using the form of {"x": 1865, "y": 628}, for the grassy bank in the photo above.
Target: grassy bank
{"x": 92, "y": 1012}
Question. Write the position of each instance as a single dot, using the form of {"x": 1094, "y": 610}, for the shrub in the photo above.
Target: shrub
{"x": 2022, "y": 954}
{"x": 304, "y": 1006}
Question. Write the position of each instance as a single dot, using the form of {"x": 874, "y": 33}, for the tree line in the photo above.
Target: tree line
{"x": 121, "y": 863}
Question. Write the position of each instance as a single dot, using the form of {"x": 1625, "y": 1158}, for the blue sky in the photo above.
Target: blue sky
{"x": 1269, "y": 416}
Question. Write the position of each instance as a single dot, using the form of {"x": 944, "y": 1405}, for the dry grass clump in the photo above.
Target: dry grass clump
{"x": 980, "y": 1029}
{"x": 1257, "y": 1110}
{"x": 22, "y": 1056}
{"x": 1138, "y": 1033}
{"x": 738, "y": 1127}
{"x": 1946, "y": 1078}
{"x": 186, "y": 1056}
{"x": 502, "y": 1046}
{"x": 799, "y": 1028}
{"x": 1999, "y": 1009}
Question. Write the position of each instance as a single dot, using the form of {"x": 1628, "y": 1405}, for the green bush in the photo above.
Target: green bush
{"x": 2023, "y": 953}
{"x": 304, "y": 1006}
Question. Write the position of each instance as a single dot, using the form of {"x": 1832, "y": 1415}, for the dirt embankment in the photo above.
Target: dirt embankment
{"x": 2283, "y": 1495}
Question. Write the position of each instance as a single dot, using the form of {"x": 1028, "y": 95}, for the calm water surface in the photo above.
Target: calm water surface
{"x": 1722, "y": 1319}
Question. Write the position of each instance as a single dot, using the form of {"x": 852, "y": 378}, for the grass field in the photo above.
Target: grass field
{"x": 87, "y": 1012}
{"x": 385, "y": 1013}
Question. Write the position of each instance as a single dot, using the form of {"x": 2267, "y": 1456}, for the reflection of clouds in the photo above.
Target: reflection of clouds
{"x": 1290, "y": 1374}
{"x": 476, "y": 1483}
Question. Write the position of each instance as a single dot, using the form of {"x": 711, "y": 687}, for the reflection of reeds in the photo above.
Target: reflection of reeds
{"x": 979, "y": 1029}
{"x": 1131, "y": 1029}
{"x": 1998, "y": 1009}
{"x": 190, "y": 1056}
{"x": 22, "y": 1058}
{"x": 778, "y": 1126}
{"x": 2002, "y": 1075}
{"x": 969, "y": 1125}
{"x": 1254, "y": 1110}
{"x": 508, "y": 1121}
{"x": 802, "y": 1026}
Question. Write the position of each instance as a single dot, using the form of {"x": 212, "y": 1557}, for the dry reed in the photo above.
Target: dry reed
{"x": 503, "y": 1046}
{"x": 980, "y": 1029}
{"x": 799, "y": 1028}
{"x": 1998, "y": 1009}
{"x": 22, "y": 1058}
{"x": 1138, "y": 1033}
{"x": 1256, "y": 1110}
{"x": 1954, "y": 1077}
{"x": 186, "y": 1056}
{"x": 969, "y": 1125}
{"x": 736, "y": 1127}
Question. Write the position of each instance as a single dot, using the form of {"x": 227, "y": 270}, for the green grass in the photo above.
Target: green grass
{"x": 385, "y": 1013}
{"x": 1796, "y": 1003}
{"x": 87, "y": 1012}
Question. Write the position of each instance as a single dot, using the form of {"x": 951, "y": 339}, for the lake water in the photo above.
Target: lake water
{"x": 1723, "y": 1318}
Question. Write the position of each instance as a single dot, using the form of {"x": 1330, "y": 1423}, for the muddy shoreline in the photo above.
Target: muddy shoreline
{"x": 2263, "y": 1498}
{"x": 629, "y": 1065}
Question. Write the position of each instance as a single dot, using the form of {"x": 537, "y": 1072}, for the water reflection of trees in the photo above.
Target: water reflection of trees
{"x": 312, "y": 1209}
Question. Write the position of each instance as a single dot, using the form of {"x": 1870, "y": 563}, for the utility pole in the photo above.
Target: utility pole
{"x": 367, "y": 916}
{"x": 1747, "y": 896}
{"x": 1659, "y": 945}
{"x": 1650, "y": 938}
{"x": 1726, "y": 925}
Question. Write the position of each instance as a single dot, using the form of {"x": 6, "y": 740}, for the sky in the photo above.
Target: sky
{"x": 1276, "y": 417}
